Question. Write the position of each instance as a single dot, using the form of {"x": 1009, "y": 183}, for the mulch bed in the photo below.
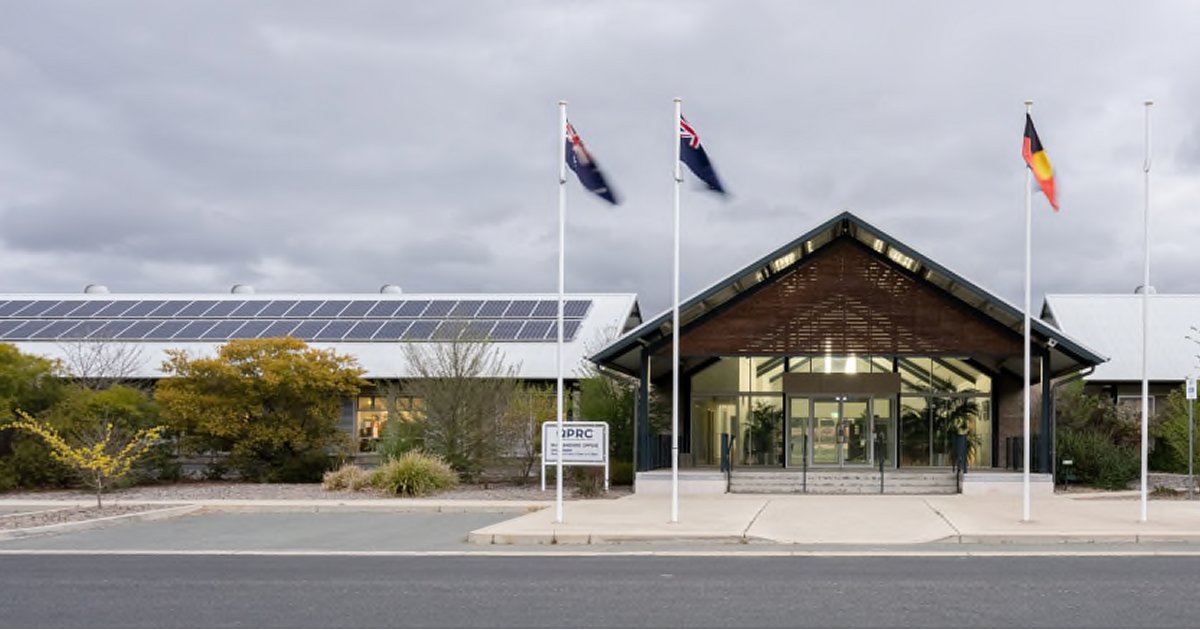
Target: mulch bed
{"x": 68, "y": 515}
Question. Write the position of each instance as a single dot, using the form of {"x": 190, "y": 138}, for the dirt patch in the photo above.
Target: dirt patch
{"x": 69, "y": 515}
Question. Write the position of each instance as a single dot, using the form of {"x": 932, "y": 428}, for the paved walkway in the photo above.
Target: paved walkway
{"x": 853, "y": 520}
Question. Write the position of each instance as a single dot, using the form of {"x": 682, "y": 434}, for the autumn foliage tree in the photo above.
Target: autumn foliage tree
{"x": 272, "y": 405}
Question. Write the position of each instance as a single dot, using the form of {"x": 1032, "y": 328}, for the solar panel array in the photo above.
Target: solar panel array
{"x": 216, "y": 320}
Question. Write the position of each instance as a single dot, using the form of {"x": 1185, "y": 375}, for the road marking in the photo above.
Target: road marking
{"x": 600, "y": 554}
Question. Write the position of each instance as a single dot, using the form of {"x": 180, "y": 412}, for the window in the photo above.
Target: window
{"x": 372, "y": 416}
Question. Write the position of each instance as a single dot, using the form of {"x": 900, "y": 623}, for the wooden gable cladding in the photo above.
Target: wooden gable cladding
{"x": 848, "y": 299}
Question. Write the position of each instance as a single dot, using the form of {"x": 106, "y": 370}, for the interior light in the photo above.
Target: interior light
{"x": 851, "y": 365}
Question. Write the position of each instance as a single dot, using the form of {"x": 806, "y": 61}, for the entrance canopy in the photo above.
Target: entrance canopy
{"x": 846, "y": 288}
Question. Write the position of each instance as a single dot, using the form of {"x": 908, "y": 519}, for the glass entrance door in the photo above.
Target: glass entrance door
{"x": 837, "y": 432}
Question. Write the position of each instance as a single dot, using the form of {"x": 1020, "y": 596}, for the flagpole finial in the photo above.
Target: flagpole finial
{"x": 1149, "y": 102}
{"x": 678, "y": 100}
{"x": 1028, "y": 102}
{"x": 561, "y": 102}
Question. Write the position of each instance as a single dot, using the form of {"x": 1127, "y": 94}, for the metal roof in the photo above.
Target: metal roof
{"x": 608, "y": 316}
{"x": 1067, "y": 354}
{"x": 1113, "y": 324}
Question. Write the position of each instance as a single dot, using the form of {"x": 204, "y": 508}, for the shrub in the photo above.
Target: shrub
{"x": 1098, "y": 461}
{"x": 414, "y": 474}
{"x": 621, "y": 473}
{"x": 348, "y": 477}
{"x": 588, "y": 480}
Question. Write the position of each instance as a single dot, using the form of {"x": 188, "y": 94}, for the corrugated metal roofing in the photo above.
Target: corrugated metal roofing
{"x": 607, "y": 317}
{"x": 1112, "y": 324}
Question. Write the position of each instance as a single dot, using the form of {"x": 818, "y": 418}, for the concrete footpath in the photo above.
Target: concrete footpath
{"x": 853, "y": 520}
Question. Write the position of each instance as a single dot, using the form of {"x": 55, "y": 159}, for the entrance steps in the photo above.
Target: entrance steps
{"x": 750, "y": 481}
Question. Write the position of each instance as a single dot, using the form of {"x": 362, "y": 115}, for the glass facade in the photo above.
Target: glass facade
{"x": 741, "y": 400}
{"x": 372, "y": 414}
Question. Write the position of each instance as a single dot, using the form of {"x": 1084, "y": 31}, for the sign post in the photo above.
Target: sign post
{"x": 583, "y": 444}
{"x": 1191, "y": 398}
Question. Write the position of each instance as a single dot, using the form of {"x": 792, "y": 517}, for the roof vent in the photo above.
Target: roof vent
{"x": 1138, "y": 290}
{"x": 242, "y": 288}
{"x": 390, "y": 288}
{"x": 95, "y": 288}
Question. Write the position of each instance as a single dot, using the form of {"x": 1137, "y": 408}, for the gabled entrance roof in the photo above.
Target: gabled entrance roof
{"x": 1066, "y": 354}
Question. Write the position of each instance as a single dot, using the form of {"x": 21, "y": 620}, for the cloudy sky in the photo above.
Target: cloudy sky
{"x": 338, "y": 146}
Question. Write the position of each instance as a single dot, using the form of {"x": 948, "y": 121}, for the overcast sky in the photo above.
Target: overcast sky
{"x": 338, "y": 146}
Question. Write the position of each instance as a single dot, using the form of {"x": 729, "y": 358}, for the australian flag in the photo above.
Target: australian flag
{"x": 585, "y": 167}
{"x": 693, "y": 154}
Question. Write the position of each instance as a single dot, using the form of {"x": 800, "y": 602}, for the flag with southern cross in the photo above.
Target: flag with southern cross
{"x": 581, "y": 161}
{"x": 692, "y": 153}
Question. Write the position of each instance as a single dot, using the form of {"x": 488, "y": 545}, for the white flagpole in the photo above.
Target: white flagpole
{"x": 1028, "y": 280}
{"x": 675, "y": 332}
{"x": 562, "y": 231}
{"x": 1146, "y": 314}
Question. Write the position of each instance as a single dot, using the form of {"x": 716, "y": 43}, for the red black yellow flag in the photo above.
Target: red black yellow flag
{"x": 1039, "y": 162}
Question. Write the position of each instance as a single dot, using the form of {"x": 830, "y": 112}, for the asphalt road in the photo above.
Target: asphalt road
{"x": 342, "y": 591}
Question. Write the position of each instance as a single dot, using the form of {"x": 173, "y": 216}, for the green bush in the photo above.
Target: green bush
{"x": 588, "y": 480}
{"x": 1098, "y": 461}
{"x": 348, "y": 477}
{"x": 414, "y": 474}
{"x": 621, "y": 473}
{"x": 1171, "y": 436}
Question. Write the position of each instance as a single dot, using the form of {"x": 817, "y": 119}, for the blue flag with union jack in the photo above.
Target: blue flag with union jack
{"x": 693, "y": 154}
{"x": 580, "y": 161}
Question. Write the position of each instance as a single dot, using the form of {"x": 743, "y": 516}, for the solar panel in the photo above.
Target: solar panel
{"x": 193, "y": 330}
{"x": 223, "y": 309}
{"x": 196, "y": 309}
{"x": 170, "y": 308}
{"x": 90, "y": 308}
{"x": 223, "y": 329}
{"x": 13, "y": 307}
{"x": 35, "y": 308}
{"x": 392, "y": 330}
{"x": 62, "y": 308}
{"x": 420, "y": 330}
{"x": 110, "y": 329}
{"x": 83, "y": 330}
{"x": 479, "y": 329}
{"x": 114, "y": 309}
{"x": 466, "y": 308}
{"x": 334, "y": 331}
{"x": 534, "y": 329}
{"x": 506, "y": 330}
{"x": 304, "y": 308}
{"x": 309, "y": 329}
{"x": 167, "y": 330}
{"x": 278, "y": 329}
{"x": 493, "y": 308}
{"x": 576, "y": 308}
{"x": 276, "y": 308}
{"x": 331, "y": 308}
{"x": 27, "y": 328}
{"x": 520, "y": 308}
{"x": 449, "y": 329}
{"x": 252, "y": 329}
{"x": 249, "y": 309}
{"x": 358, "y": 308}
{"x": 412, "y": 309}
{"x": 143, "y": 308}
{"x": 363, "y": 331}
{"x": 546, "y": 308}
{"x": 438, "y": 308}
{"x": 570, "y": 329}
{"x": 385, "y": 308}
{"x": 8, "y": 325}
{"x": 55, "y": 329}
{"x": 139, "y": 329}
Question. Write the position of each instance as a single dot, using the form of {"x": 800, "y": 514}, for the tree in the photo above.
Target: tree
{"x": 100, "y": 456}
{"x": 465, "y": 387}
{"x": 34, "y": 384}
{"x": 521, "y": 428}
{"x": 272, "y": 404}
{"x": 101, "y": 363}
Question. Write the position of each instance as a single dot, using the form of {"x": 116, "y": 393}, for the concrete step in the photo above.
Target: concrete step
{"x": 842, "y": 482}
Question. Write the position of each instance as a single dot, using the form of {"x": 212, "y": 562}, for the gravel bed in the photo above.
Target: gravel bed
{"x": 206, "y": 491}
{"x": 69, "y": 515}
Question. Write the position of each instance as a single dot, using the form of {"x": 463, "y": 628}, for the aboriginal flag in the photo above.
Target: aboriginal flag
{"x": 585, "y": 167}
{"x": 1039, "y": 162}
